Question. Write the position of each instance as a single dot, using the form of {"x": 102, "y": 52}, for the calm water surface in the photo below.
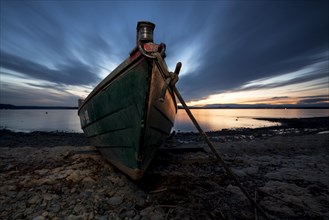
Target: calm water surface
{"x": 209, "y": 119}
{"x": 40, "y": 120}
{"x": 217, "y": 119}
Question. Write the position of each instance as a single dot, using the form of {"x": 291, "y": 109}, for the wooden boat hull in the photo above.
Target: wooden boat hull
{"x": 124, "y": 118}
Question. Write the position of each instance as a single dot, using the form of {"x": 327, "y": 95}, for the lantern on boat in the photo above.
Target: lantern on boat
{"x": 144, "y": 32}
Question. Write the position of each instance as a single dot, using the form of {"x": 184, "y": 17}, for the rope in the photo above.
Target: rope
{"x": 219, "y": 158}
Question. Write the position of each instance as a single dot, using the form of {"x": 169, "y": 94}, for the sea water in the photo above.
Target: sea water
{"x": 210, "y": 119}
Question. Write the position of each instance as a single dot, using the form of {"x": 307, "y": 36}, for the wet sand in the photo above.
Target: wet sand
{"x": 60, "y": 176}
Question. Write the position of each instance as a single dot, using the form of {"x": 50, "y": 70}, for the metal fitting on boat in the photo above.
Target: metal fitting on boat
{"x": 144, "y": 32}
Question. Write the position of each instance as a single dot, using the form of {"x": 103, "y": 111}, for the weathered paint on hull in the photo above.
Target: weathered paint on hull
{"x": 125, "y": 120}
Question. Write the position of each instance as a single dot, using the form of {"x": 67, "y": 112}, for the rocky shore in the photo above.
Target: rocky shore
{"x": 60, "y": 176}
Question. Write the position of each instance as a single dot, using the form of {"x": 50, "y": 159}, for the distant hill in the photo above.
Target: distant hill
{"x": 8, "y": 106}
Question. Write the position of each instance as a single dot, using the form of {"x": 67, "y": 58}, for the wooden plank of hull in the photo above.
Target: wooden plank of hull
{"x": 125, "y": 120}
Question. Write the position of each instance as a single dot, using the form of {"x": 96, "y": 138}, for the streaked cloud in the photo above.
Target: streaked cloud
{"x": 72, "y": 72}
{"x": 312, "y": 79}
{"x": 311, "y": 72}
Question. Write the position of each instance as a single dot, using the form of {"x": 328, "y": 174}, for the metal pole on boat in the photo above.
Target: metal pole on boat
{"x": 212, "y": 148}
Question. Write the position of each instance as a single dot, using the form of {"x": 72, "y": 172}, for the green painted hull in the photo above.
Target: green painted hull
{"x": 124, "y": 118}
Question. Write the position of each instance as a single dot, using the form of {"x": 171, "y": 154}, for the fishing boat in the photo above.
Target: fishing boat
{"x": 131, "y": 112}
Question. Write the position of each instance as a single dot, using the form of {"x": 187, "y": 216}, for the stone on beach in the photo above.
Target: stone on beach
{"x": 75, "y": 176}
{"x": 237, "y": 195}
{"x": 116, "y": 200}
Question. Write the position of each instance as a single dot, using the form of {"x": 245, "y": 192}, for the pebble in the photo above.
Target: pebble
{"x": 88, "y": 180}
{"x": 47, "y": 197}
{"x": 76, "y": 217}
{"x": 130, "y": 213}
{"x": 75, "y": 176}
{"x": 115, "y": 200}
{"x": 237, "y": 194}
{"x": 79, "y": 209}
{"x": 55, "y": 208}
{"x": 34, "y": 199}
{"x": 39, "y": 218}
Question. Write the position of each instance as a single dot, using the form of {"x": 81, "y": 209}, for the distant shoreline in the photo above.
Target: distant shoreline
{"x": 13, "y": 107}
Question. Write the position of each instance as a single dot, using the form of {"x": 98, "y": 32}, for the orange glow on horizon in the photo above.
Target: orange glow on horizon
{"x": 281, "y": 89}
{"x": 286, "y": 95}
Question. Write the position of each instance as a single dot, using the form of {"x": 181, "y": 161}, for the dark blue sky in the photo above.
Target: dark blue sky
{"x": 244, "y": 52}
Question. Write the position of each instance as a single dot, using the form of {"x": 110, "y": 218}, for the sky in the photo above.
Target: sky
{"x": 233, "y": 52}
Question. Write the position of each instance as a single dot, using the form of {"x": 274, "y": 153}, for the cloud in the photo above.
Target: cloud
{"x": 36, "y": 35}
{"x": 35, "y": 95}
{"x": 320, "y": 100}
{"x": 72, "y": 72}
{"x": 306, "y": 74}
{"x": 280, "y": 97}
{"x": 315, "y": 101}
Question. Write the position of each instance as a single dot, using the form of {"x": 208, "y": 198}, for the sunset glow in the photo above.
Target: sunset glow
{"x": 285, "y": 92}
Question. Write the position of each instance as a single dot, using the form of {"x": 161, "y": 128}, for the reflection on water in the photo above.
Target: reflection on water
{"x": 217, "y": 119}
{"x": 209, "y": 119}
{"x": 212, "y": 120}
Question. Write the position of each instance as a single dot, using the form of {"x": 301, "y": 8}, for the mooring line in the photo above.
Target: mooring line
{"x": 219, "y": 158}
